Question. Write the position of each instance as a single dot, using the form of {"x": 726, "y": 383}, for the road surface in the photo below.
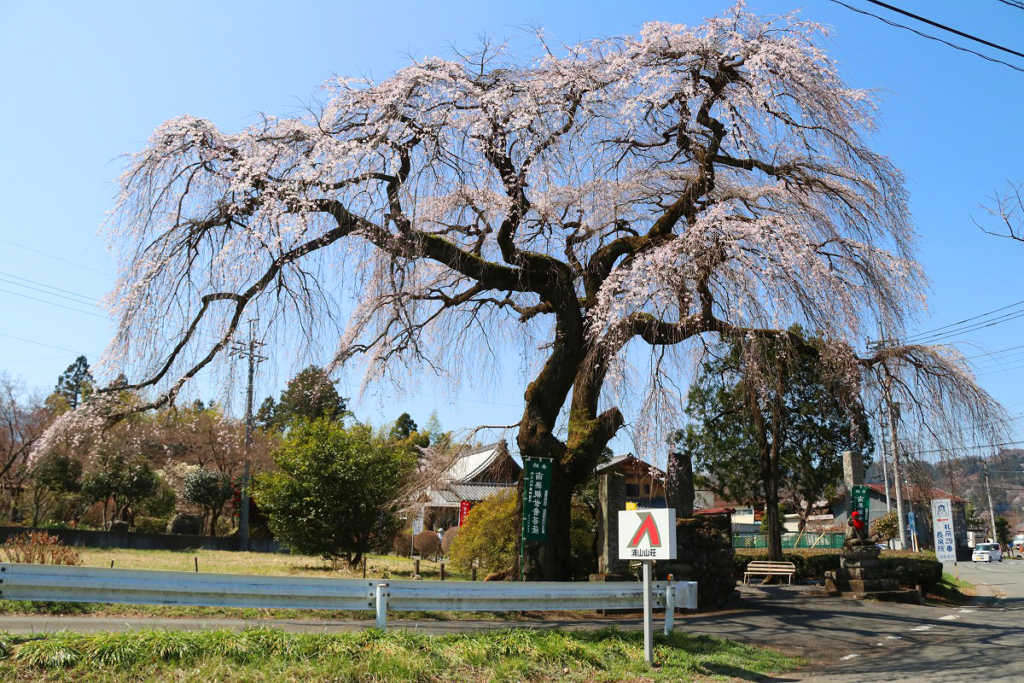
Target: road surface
{"x": 976, "y": 643}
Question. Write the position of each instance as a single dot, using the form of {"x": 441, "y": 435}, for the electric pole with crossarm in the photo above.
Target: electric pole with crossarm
{"x": 249, "y": 351}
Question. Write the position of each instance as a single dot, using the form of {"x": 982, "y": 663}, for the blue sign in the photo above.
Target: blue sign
{"x": 911, "y": 526}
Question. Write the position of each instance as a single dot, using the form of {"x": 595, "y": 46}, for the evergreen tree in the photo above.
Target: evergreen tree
{"x": 311, "y": 394}
{"x": 76, "y": 383}
{"x": 751, "y": 440}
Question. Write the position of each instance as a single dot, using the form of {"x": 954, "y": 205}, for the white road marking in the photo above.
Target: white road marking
{"x": 926, "y": 627}
{"x": 966, "y": 611}
{"x": 894, "y": 637}
{"x": 851, "y": 656}
{"x": 949, "y": 617}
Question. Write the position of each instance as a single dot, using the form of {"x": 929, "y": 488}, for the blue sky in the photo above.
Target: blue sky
{"x": 83, "y": 83}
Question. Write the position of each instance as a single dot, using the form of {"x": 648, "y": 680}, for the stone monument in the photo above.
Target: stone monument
{"x": 860, "y": 573}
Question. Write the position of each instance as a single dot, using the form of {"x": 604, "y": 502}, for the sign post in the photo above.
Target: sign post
{"x": 942, "y": 523}
{"x": 647, "y": 535}
{"x": 862, "y": 501}
{"x": 536, "y": 485}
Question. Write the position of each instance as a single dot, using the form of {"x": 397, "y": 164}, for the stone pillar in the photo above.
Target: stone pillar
{"x": 853, "y": 470}
{"x": 611, "y": 497}
{"x": 679, "y": 483}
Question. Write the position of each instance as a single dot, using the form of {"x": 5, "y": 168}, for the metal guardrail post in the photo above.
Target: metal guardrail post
{"x": 670, "y": 606}
{"x": 382, "y": 606}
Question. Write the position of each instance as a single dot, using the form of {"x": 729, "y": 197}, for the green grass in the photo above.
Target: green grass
{"x": 225, "y": 562}
{"x": 268, "y": 655}
{"x": 951, "y": 591}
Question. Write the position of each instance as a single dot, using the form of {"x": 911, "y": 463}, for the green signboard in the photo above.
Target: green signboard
{"x": 536, "y": 485}
{"x": 861, "y": 501}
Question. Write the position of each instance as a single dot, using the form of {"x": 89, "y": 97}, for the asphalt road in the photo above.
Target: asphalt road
{"x": 977, "y": 643}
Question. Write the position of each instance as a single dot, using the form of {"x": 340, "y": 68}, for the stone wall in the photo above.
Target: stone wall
{"x": 705, "y": 555}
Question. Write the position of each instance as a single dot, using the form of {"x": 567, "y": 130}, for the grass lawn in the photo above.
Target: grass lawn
{"x": 267, "y": 656}
{"x": 951, "y": 591}
{"x": 270, "y": 564}
{"x": 226, "y": 562}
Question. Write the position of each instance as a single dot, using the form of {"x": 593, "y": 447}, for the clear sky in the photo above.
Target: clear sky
{"x": 83, "y": 83}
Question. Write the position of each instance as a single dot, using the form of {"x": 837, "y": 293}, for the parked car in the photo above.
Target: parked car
{"x": 987, "y": 552}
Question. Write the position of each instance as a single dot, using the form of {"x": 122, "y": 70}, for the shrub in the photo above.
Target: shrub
{"x": 427, "y": 543}
{"x": 189, "y": 525}
{"x": 582, "y": 536}
{"x": 150, "y": 525}
{"x": 910, "y": 568}
{"x": 335, "y": 489}
{"x": 913, "y": 571}
{"x": 489, "y": 535}
{"x": 209, "y": 490}
{"x": 887, "y": 526}
{"x": 449, "y": 539}
{"x": 39, "y": 547}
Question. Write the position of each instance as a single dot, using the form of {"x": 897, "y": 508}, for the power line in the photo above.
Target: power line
{"x": 89, "y": 299}
{"x": 77, "y": 310}
{"x": 58, "y": 258}
{"x": 1013, "y": 3}
{"x": 933, "y": 332}
{"x": 59, "y": 348}
{"x": 945, "y": 28}
{"x": 931, "y": 37}
{"x": 38, "y": 289}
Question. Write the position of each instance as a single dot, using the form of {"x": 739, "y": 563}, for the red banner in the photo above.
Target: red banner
{"x": 464, "y": 507}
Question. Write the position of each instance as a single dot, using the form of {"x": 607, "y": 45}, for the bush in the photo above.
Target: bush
{"x": 39, "y": 547}
{"x": 427, "y": 543}
{"x": 582, "y": 533}
{"x": 449, "y": 539}
{"x": 150, "y": 525}
{"x": 910, "y": 568}
{"x": 913, "y": 571}
{"x": 334, "y": 491}
{"x": 185, "y": 524}
{"x": 489, "y": 535}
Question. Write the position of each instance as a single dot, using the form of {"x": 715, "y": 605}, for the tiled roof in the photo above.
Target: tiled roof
{"x": 454, "y": 493}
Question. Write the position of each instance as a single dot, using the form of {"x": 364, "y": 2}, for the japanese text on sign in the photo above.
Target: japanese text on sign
{"x": 536, "y": 484}
{"x": 942, "y": 524}
{"x": 861, "y": 501}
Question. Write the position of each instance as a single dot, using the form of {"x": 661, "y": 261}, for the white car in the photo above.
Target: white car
{"x": 987, "y": 552}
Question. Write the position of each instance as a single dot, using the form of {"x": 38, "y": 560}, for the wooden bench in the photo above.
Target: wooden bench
{"x": 769, "y": 569}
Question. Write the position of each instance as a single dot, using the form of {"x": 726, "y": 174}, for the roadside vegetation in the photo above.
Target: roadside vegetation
{"x": 271, "y": 655}
{"x": 950, "y": 591}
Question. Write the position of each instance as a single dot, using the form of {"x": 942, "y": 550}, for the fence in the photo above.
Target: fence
{"x": 139, "y": 586}
{"x": 807, "y": 540}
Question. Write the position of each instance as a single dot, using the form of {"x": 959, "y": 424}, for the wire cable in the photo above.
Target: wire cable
{"x": 931, "y": 37}
{"x": 37, "y": 343}
{"x": 89, "y": 299}
{"x": 79, "y": 265}
{"x": 77, "y": 310}
{"x": 931, "y": 332}
{"x": 944, "y": 27}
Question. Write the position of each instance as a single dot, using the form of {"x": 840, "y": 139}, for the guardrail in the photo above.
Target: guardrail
{"x": 146, "y": 587}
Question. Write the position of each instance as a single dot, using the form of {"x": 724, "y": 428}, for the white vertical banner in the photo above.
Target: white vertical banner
{"x": 942, "y": 527}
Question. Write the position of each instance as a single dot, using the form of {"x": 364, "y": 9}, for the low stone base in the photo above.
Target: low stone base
{"x": 860, "y": 576}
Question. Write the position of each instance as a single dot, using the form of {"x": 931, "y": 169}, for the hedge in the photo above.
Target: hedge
{"x": 910, "y": 568}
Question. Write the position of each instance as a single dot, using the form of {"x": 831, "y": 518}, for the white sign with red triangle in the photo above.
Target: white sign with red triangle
{"x": 647, "y": 534}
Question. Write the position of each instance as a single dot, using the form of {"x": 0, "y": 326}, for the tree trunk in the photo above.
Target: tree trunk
{"x": 769, "y": 456}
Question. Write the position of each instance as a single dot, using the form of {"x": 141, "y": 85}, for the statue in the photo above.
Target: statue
{"x": 857, "y": 531}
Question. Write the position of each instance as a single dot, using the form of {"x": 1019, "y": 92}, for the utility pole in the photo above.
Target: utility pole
{"x": 991, "y": 508}
{"x": 248, "y": 351}
{"x": 885, "y": 464}
{"x": 893, "y": 414}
